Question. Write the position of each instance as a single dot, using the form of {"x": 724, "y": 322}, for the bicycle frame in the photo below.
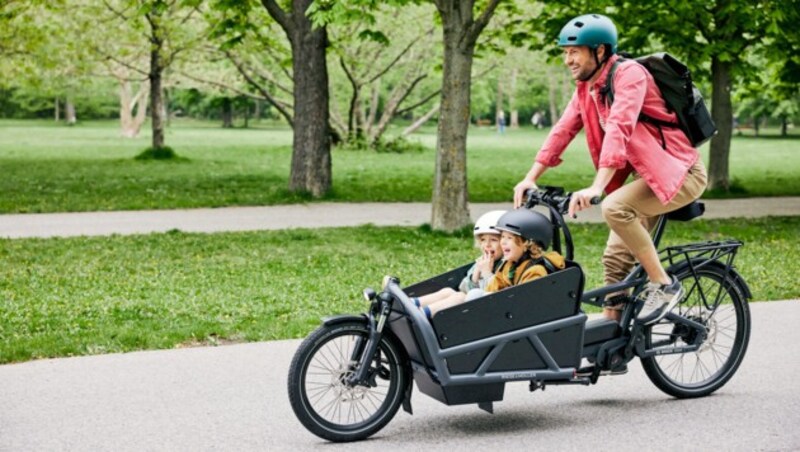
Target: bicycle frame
{"x": 691, "y": 258}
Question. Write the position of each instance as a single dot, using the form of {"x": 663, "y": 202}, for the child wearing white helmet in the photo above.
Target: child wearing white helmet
{"x": 487, "y": 239}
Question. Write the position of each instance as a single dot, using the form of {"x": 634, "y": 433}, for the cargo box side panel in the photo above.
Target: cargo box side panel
{"x": 542, "y": 300}
{"x": 449, "y": 279}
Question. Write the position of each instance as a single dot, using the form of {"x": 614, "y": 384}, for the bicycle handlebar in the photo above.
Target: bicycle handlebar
{"x": 552, "y": 196}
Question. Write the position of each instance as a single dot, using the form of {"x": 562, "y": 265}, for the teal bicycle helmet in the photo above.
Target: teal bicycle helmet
{"x": 591, "y": 30}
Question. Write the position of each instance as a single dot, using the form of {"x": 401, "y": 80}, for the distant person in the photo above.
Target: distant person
{"x": 501, "y": 122}
{"x": 537, "y": 120}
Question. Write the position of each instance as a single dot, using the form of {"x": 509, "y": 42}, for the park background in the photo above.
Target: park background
{"x": 128, "y": 105}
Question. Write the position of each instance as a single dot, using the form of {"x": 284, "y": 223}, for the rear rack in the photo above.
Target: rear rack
{"x": 705, "y": 252}
{"x": 702, "y": 254}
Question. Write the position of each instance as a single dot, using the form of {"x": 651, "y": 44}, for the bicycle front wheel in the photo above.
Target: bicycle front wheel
{"x": 322, "y": 399}
{"x": 715, "y": 300}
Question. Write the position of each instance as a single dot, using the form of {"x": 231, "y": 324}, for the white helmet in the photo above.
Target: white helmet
{"x": 487, "y": 222}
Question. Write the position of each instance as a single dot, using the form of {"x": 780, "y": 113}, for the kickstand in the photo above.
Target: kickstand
{"x": 486, "y": 406}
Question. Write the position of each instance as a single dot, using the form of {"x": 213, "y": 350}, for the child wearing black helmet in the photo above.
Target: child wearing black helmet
{"x": 525, "y": 237}
{"x": 487, "y": 238}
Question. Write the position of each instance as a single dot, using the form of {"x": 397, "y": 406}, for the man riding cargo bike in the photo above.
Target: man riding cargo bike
{"x": 689, "y": 323}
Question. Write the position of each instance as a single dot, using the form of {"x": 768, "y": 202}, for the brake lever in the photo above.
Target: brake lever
{"x": 563, "y": 206}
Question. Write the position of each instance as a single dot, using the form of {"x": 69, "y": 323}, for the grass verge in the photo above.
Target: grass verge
{"x": 89, "y": 167}
{"x": 77, "y": 296}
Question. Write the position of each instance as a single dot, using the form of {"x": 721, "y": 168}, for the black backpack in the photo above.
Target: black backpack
{"x": 680, "y": 95}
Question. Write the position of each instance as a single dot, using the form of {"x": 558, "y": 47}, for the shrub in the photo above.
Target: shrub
{"x": 162, "y": 153}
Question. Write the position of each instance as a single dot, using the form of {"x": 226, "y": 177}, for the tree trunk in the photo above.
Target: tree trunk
{"x": 125, "y": 109}
{"x": 756, "y": 124}
{"x": 167, "y": 120}
{"x": 257, "y": 112}
{"x": 311, "y": 150}
{"x": 246, "y": 115}
{"x": 227, "y": 113}
{"x": 156, "y": 70}
{"x": 722, "y": 112}
{"x": 71, "y": 117}
{"x": 784, "y": 126}
{"x": 512, "y": 91}
{"x": 450, "y": 210}
{"x": 552, "y": 91}
{"x": 58, "y": 110}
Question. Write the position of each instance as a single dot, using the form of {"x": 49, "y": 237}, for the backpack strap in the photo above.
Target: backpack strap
{"x": 548, "y": 265}
{"x": 608, "y": 92}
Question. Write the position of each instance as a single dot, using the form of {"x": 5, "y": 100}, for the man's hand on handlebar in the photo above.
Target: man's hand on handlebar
{"x": 520, "y": 192}
{"x": 582, "y": 199}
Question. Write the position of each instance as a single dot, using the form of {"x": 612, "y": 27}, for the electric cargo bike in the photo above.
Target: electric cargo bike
{"x": 349, "y": 377}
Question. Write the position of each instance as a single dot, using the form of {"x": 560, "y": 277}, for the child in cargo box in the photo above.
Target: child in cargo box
{"x": 524, "y": 237}
{"x": 487, "y": 239}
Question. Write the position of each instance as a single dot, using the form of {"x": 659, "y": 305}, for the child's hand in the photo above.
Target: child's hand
{"x": 483, "y": 265}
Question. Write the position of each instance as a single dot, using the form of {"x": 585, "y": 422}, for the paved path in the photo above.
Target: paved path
{"x": 312, "y": 215}
{"x": 234, "y": 398}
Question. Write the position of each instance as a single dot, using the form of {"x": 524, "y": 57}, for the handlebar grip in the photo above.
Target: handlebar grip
{"x": 595, "y": 201}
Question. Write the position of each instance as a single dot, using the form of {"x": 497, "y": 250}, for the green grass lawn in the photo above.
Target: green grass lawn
{"x": 52, "y": 168}
{"x": 76, "y": 296}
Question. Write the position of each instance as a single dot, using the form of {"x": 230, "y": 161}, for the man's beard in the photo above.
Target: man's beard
{"x": 586, "y": 73}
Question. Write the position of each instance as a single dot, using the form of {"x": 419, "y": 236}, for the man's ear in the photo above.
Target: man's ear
{"x": 601, "y": 52}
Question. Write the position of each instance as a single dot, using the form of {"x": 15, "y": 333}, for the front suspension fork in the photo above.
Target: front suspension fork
{"x": 364, "y": 358}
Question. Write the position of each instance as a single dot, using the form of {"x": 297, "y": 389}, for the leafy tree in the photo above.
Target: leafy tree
{"x": 169, "y": 28}
{"x": 311, "y": 148}
{"x": 383, "y": 66}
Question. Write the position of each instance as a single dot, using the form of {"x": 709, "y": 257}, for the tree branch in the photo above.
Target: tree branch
{"x": 270, "y": 77}
{"x": 281, "y": 106}
{"x": 119, "y": 14}
{"x": 396, "y": 59}
{"x": 121, "y": 62}
{"x": 420, "y": 103}
{"x": 280, "y": 16}
{"x": 477, "y": 27}
{"x": 283, "y": 69}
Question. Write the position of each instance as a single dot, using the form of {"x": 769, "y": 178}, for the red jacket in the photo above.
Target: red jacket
{"x": 616, "y": 138}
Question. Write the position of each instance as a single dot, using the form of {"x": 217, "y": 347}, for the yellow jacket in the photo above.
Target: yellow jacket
{"x": 511, "y": 274}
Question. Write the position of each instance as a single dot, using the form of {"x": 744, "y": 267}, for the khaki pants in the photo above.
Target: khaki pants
{"x": 632, "y": 211}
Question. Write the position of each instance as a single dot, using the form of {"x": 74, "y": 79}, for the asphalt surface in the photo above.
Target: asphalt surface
{"x": 234, "y": 398}
{"x": 314, "y": 215}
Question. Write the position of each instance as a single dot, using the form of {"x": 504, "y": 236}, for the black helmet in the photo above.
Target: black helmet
{"x": 528, "y": 224}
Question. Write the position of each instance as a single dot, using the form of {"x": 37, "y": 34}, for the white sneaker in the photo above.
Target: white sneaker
{"x": 659, "y": 299}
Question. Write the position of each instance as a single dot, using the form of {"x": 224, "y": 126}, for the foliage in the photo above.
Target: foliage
{"x": 162, "y": 153}
{"x": 397, "y": 145}
{"x": 91, "y": 295}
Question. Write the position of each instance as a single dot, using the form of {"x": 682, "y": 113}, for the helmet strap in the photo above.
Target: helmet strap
{"x": 599, "y": 64}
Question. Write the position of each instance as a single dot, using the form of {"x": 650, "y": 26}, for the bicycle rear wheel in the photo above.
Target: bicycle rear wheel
{"x": 713, "y": 299}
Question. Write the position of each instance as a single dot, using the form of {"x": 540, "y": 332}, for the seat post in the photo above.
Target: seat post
{"x": 658, "y": 231}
